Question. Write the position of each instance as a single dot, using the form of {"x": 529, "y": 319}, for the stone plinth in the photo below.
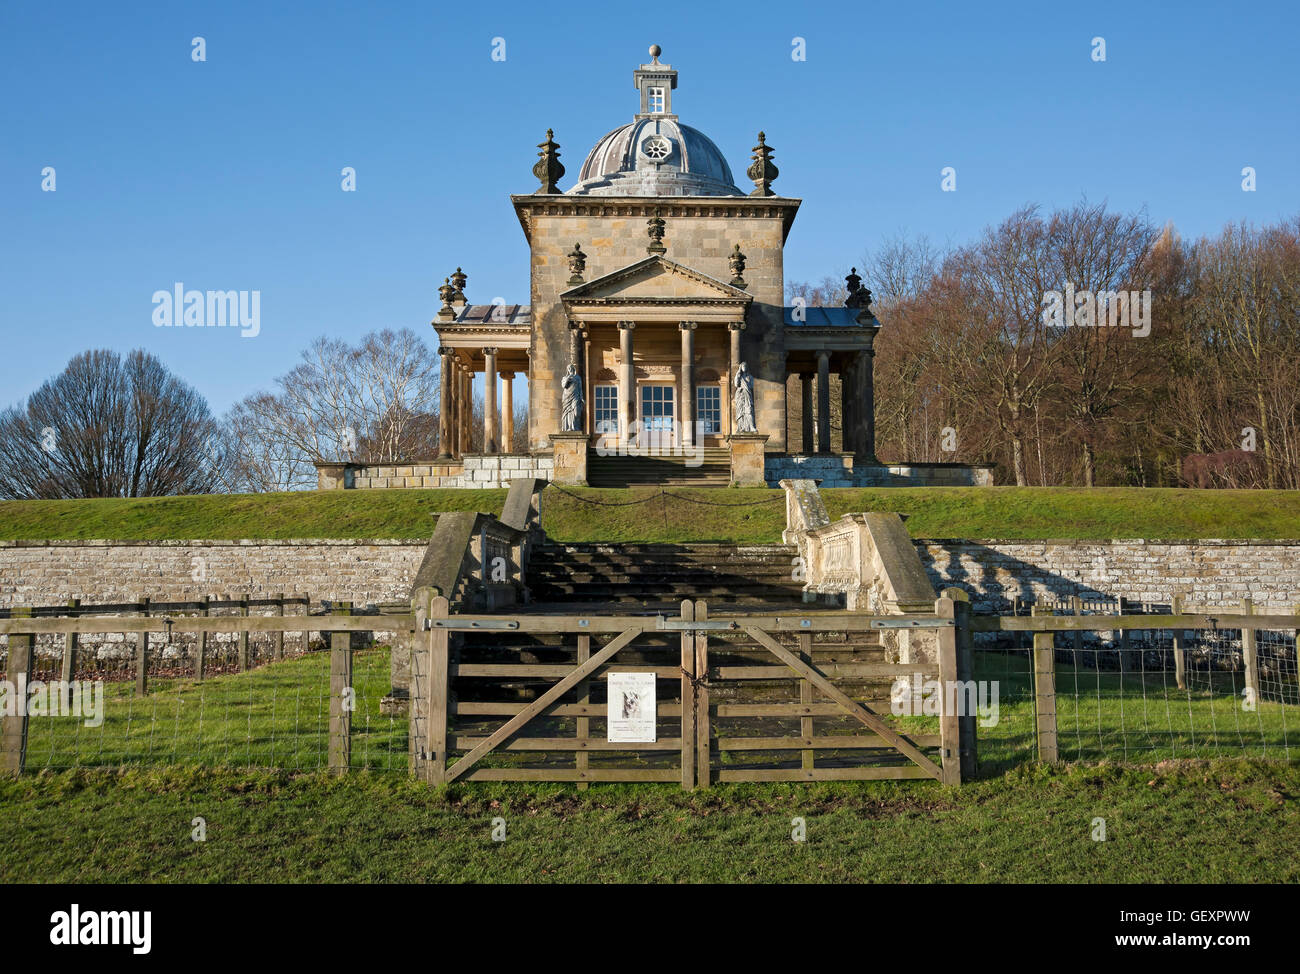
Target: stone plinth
{"x": 570, "y": 458}
{"x": 747, "y": 461}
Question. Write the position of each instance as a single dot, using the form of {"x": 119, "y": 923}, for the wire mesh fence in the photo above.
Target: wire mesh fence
{"x": 1148, "y": 694}
{"x": 215, "y": 699}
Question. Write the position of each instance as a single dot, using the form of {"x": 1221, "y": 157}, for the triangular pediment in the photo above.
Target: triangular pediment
{"x": 656, "y": 278}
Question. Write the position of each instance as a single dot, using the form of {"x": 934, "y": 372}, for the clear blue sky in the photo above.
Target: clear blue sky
{"x": 226, "y": 174}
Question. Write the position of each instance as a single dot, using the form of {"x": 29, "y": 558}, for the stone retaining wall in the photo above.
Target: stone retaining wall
{"x": 832, "y": 470}
{"x": 1207, "y": 573}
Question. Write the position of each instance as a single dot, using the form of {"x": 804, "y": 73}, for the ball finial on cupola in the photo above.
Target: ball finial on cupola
{"x": 655, "y": 51}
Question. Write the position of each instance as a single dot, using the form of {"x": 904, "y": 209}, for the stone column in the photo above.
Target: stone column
{"x": 735, "y": 328}
{"x": 575, "y": 346}
{"x": 867, "y": 404}
{"x": 490, "y": 400}
{"x": 445, "y": 406}
{"x": 466, "y": 408}
{"x": 849, "y": 407}
{"x": 626, "y": 380}
{"x": 507, "y": 412}
{"x": 806, "y": 443}
{"x": 688, "y": 382}
{"x": 823, "y": 402}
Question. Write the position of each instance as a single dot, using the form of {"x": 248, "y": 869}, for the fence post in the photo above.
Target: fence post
{"x": 1249, "y": 653}
{"x": 1180, "y": 651}
{"x": 439, "y": 691}
{"x": 142, "y": 653}
{"x": 688, "y": 696}
{"x": 243, "y": 635}
{"x": 69, "y": 670}
{"x": 949, "y": 720}
{"x": 201, "y": 650}
{"x": 704, "y": 746}
{"x": 306, "y": 633}
{"x": 13, "y": 728}
{"x": 1045, "y": 690}
{"x": 277, "y": 652}
{"x": 969, "y": 744}
{"x": 340, "y": 749}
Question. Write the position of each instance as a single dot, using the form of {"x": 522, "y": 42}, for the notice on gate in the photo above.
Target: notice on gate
{"x": 631, "y": 718}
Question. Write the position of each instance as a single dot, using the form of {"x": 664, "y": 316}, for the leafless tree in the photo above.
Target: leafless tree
{"x": 110, "y": 427}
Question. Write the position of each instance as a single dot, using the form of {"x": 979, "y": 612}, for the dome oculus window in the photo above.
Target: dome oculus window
{"x": 656, "y": 147}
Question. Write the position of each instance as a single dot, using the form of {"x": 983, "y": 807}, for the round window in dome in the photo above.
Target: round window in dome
{"x": 656, "y": 147}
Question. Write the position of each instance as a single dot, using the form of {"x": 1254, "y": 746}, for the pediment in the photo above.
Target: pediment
{"x": 656, "y": 278}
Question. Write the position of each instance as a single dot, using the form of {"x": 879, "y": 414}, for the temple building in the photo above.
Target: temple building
{"x": 656, "y": 341}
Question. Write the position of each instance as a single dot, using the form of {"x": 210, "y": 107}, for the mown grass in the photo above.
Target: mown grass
{"x": 675, "y": 515}
{"x": 1185, "y": 822}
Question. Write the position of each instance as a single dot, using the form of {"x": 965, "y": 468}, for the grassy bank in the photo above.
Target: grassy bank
{"x": 676, "y": 515}
{"x": 1226, "y": 822}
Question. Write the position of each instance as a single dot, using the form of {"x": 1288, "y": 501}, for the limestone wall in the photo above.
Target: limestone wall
{"x": 841, "y": 471}
{"x": 1206, "y": 573}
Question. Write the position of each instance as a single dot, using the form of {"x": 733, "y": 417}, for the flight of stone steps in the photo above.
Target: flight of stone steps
{"x": 760, "y": 577}
{"x": 679, "y": 471}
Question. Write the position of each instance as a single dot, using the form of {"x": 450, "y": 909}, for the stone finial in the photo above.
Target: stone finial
{"x": 859, "y": 296}
{"x": 547, "y": 168}
{"x": 446, "y": 293}
{"x": 654, "y": 228}
{"x": 458, "y": 280}
{"x": 737, "y": 264}
{"x": 655, "y": 51}
{"x": 577, "y": 264}
{"x": 762, "y": 171}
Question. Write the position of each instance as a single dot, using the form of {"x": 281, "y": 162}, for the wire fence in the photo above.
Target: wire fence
{"x": 1142, "y": 695}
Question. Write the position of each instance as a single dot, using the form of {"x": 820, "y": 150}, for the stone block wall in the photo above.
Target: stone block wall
{"x": 1217, "y": 574}
{"x": 364, "y": 572}
{"x": 473, "y": 472}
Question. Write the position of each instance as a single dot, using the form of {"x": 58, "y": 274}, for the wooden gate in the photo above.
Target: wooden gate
{"x": 544, "y": 675}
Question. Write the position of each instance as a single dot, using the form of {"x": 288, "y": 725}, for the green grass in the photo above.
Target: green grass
{"x": 1190, "y": 822}
{"x": 746, "y": 516}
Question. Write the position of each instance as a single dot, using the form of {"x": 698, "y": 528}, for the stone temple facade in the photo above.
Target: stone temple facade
{"x": 656, "y": 327}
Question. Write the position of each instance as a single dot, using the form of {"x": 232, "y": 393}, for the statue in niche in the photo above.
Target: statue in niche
{"x": 744, "y": 400}
{"x": 571, "y": 405}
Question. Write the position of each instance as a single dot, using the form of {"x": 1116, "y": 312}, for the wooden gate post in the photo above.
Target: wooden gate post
{"x": 142, "y": 653}
{"x": 68, "y": 673}
{"x": 1249, "y": 653}
{"x": 688, "y": 697}
{"x": 201, "y": 650}
{"x": 949, "y": 693}
{"x": 1045, "y": 690}
{"x": 277, "y": 640}
{"x": 968, "y": 744}
{"x": 439, "y": 691}
{"x": 243, "y": 634}
{"x": 1180, "y": 651}
{"x": 341, "y": 696}
{"x": 704, "y": 749}
{"x": 13, "y": 729}
{"x": 583, "y": 726}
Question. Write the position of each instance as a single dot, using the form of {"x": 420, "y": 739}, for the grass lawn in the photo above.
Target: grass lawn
{"x": 1207, "y": 822}
{"x": 753, "y": 516}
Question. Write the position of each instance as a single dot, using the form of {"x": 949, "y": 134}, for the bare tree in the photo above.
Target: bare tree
{"x": 109, "y": 427}
{"x": 375, "y": 402}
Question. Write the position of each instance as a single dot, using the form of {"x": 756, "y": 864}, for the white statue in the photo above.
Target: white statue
{"x": 571, "y": 408}
{"x": 744, "y": 400}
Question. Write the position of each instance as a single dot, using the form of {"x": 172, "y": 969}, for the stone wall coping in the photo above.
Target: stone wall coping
{"x": 212, "y": 543}
{"x": 1185, "y": 542}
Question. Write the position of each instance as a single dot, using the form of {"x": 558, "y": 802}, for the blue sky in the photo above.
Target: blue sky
{"x": 226, "y": 174}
